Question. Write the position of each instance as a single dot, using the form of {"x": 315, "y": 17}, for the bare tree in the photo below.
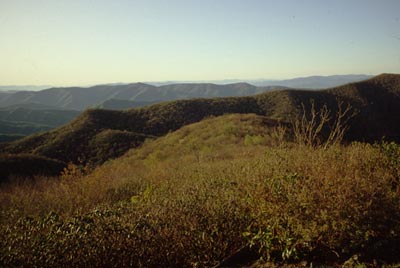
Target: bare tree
{"x": 308, "y": 127}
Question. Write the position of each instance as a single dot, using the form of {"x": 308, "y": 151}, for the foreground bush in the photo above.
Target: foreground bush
{"x": 288, "y": 203}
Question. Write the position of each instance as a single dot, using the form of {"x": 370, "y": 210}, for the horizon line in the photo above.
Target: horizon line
{"x": 237, "y": 80}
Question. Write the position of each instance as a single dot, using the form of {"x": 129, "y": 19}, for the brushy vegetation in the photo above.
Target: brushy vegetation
{"x": 195, "y": 196}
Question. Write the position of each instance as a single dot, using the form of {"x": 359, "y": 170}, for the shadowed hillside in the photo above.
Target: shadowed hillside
{"x": 376, "y": 101}
{"x": 25, "y": 166}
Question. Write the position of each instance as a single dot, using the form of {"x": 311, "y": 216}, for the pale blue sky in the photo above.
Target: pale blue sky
{"x": 77, "y": 42}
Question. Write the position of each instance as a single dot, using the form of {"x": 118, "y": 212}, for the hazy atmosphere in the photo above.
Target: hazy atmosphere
{"x": 64, "y": 43}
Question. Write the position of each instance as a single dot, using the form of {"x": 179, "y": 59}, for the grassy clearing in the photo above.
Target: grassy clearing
{"x": 195, "y": 196}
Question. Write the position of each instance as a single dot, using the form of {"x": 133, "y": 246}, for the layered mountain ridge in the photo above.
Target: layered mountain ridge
{"x": 376, "y": 102}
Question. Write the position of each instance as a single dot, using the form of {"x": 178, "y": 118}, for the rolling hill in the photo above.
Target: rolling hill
{"x": 208, "y": 183}
{"x": 212, "y": 137}
{"x": 78, "y": 98}
{"x": 377, "y": 102}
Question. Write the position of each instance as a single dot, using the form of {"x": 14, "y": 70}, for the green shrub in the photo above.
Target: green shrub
{"x": 172, "y": 205}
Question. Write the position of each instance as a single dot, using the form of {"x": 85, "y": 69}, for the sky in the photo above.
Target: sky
{"x": 84, "y": 42}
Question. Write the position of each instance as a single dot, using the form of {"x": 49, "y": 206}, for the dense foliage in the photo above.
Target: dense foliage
{"x": 197, "y": 195}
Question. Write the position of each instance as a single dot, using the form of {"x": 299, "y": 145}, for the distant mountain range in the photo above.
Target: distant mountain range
{"x": 25, "y": 87}
{"x": 80, "y": 98}
{"x": 23, "y": 112}
{"x": 96, "y": 135}
{"x": 309, "y": 82}
{"x": 77, "y": 98}
{"x": 314, "y": 82}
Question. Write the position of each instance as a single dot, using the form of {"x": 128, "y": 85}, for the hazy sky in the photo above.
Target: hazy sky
{"x": 79, "y": 42}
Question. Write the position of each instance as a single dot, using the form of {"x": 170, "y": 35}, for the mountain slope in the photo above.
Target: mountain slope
{"x": 77, "y": 98}
{"x": 80, "y": 98}
{"x": 315, "y": 82}
{"x": 225, "y": 193}
{"x": 212, "y": 137}
{"x": 372, "y": 122}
